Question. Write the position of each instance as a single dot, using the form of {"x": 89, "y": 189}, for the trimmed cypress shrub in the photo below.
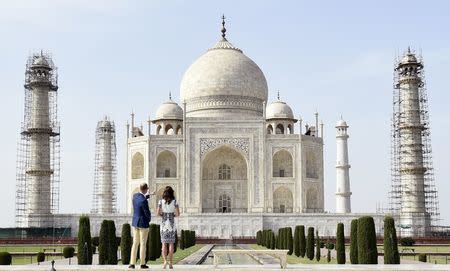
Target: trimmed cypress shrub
{"x": 125, "y": 243}
{"x": 84, "y": 248}
{"x": 354, "y": 241}
{"x": 317, "y": 246}
{"x": 186, "y": 239}
{"x": 258, "y": 237}
{"x": 40, "y": 257}
{"x": 182, "y": 240}
{"x": 152, "y": 243}
{"x": 328, "y": 255}
{"x": 5, "y": 258}
{"x": 302, "y": 241}
{"x": 422, "y": 257}
{"x": 340, "y": 244}
{"x": 330, "y": 246}
{"x": 113, "y": 243}
{"x": 310, "y": 244}
{"x": 68, "y": 253}
{"x": 297, "y": 241}
{"x": 272, "y": 241}
{"x": 177, "y": 242}
{"x": 391, "y": 255}
{"x": 159, "y": 244}
{"x": 367, "y": 241}
{"x": 103, "y": 243}
{"x": 290, "y": 244}
{"x": 407, "y": 241}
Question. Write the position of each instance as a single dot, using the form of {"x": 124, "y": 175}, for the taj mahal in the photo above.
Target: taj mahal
{"x": 238, "y": 162}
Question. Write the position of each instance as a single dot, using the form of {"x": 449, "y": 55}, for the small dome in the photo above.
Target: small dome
{"x": 169, "y": 110}
{"x": 341, "y": 123}
{"x": 279, "y": 110}
{"x": 105, "y": 123}
{"x": 409, "y": 58}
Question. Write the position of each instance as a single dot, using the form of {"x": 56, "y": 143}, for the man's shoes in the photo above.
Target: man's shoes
{"x": 131, "y": 266}
{"x": 144, "y": 266}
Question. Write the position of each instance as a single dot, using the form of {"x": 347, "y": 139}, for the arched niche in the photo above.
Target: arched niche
{"x": 137, "y": 166}
{"x": 282, "y": 164}
{"x": 283, "y": 200}
{"x": 166, "y": 165}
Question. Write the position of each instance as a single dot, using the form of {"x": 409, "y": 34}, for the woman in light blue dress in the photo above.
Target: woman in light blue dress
{"x": 168, "y": 209}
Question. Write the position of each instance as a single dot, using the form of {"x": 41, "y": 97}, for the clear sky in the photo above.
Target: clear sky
{"x": 117, "y": 56}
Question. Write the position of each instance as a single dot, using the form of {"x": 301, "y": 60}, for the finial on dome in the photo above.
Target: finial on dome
{"x": 223, "y": 26}
{"x": 170, "y": 95}
{"x": 278, "y": 95}
{"x": 409, "y": 50}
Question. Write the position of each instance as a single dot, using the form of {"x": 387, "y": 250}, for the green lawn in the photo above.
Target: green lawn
{"x": 32, "y": 248}
{"x": 292, "y": 259}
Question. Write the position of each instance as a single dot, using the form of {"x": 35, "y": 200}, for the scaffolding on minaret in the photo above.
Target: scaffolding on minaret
{"x": 38, "y": 150}
{"x": 105, "y": 183}
{"x": 404, "y": 170}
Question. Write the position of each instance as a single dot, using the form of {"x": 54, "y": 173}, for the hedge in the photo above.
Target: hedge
{"x": 423, "y": 258}
{"x": 391, "y": 255}
{"x": 107, "y": 247}
{"x": 354, "y": 241}
{"x": 407, "y": 241}
{"x": 297, "y": 241}
{"x": 302, "y": 241}
{"x": 126, "y": 243}
{"x": 340, "y": 244}
{"x": 367, "y": 242}
{"x": 84, "y": 249}
{"x": 5, "y": 258}
{"x": 40, "y": 257}
{"x": 317, "y": 246}
{"x": 152, "y": 243}
{"x": 310, "y": 244}
{"x": 289, "y": 241}
{"x": 68, "y": 253}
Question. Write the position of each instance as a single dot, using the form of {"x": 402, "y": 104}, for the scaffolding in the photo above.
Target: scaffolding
{"x": 105, "y": 183}
{"x": 412, "y": 173}
{"x": 38, "y": 150}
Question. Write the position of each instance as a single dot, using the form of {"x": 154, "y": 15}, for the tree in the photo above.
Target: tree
{"x": 391, "y": 255}
{"x": 367, "y": 241}
{"x": 354, "y": 241}
{"x": 272, "y": 241}
{"x": 68, "y": 252}
{"x": 182, "y": 246}
{"x": 126, "y": 243}
{"x": 113, "y": 243}
{"x": 103, "y": 243}
{"x": 152, "y": 243}
{"x": 328, "y": 255}
{"x": 340, "y": 244}
{"x": 258, "y": 237}
{"x": 317, "y": 246}
{"x": 158, "y": 241}
{"x": 84, "y": 248}
{"x": 302, "y": 241}
{"x": 290, "y": 245}
{"x": 40, "y": 257}
{"x": 297, "y": 241}
{"x": 310, "y": 244}
{"x": 5, "y": 258}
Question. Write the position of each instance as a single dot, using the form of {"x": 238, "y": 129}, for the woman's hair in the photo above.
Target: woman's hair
{"x": 168, "y": 194}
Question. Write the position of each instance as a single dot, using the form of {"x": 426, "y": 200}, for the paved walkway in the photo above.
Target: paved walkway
{"x": 196, "y": 257}
{"x": 301, "y": 267}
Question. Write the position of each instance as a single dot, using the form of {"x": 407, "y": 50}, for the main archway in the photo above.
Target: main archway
{"x": 224, "y": 176}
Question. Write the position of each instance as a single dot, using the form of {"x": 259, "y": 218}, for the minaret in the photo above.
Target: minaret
{"x": 342, "y": 169}
{"x": 410, "y": 127}
{"x": 38, "y": 154}
{"x": 105, "y": 200}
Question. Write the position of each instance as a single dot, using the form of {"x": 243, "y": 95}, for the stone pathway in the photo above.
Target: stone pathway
{"x": 196, "y": 257}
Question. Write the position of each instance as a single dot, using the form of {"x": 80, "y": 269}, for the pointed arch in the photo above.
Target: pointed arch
{"x": 279, "y": 129}
{"x": 137, "y": 166}
{"x": 282, "y": 165}
{"x": 283, "y": 200}
{"x": 166, "y": 165}
{"x": 269, "y": 129}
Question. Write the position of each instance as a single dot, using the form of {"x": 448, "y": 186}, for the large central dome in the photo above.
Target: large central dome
{"x": 223, "y": 82}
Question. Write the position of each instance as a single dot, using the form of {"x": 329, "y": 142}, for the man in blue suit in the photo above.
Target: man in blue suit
{"x": 140, "y": 223}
